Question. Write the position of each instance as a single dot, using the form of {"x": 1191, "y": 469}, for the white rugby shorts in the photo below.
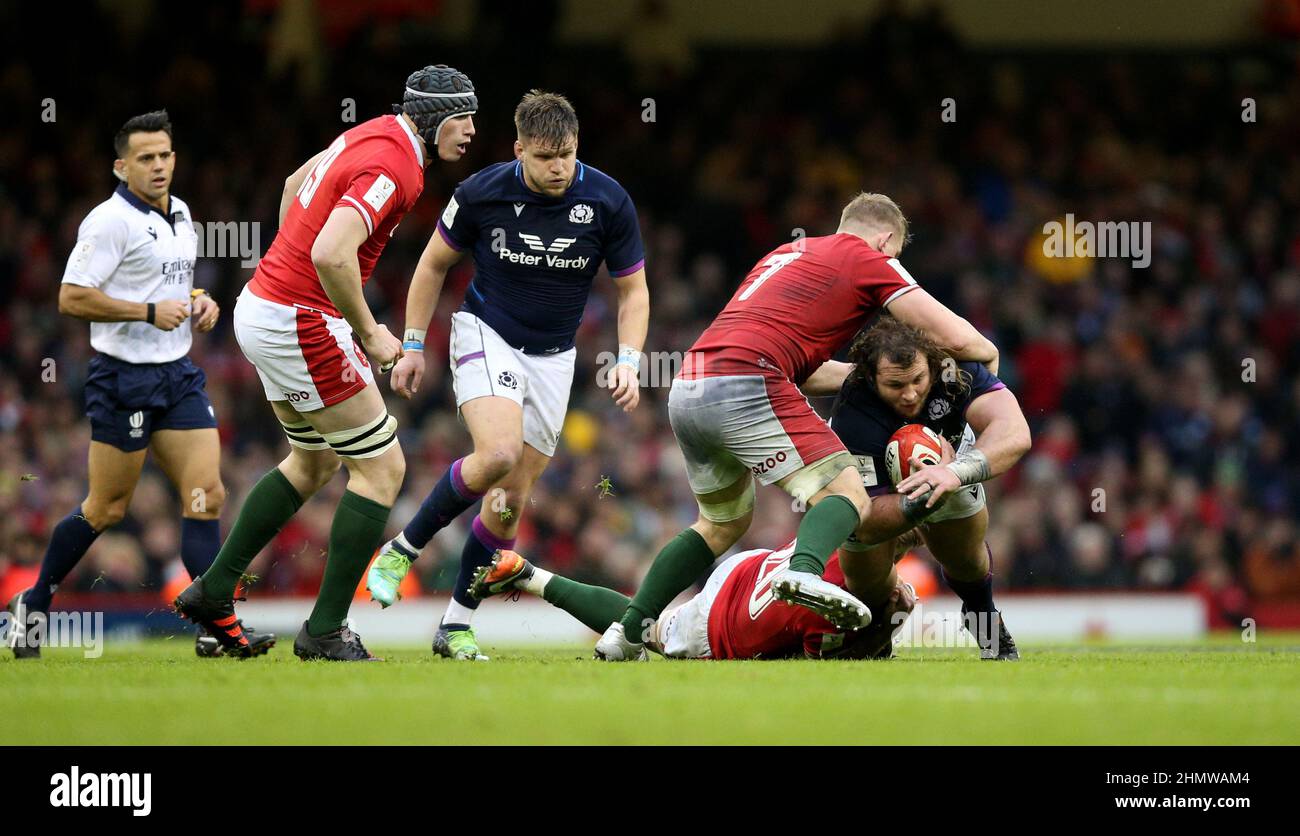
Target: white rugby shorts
{"x": 484, "y": 365}
{"x": 683, "y": 632}
{"x": 303, "y": 355}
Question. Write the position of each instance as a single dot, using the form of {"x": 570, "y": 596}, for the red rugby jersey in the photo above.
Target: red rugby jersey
{"x": 797, "y": 307}
{"x": 377, "y": 169}
{"x": 747, "y": 622}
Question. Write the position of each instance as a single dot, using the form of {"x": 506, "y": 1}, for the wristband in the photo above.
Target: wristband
{"x": 970, "y": 467}
{"x": 197, "y": 292}
{"x": 413, "y": 339}
{"x": 628, "y": 356}
{"x": 149, "y": 312}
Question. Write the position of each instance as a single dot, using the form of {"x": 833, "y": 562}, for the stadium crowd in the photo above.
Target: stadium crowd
{"x": 1165, "y": 400}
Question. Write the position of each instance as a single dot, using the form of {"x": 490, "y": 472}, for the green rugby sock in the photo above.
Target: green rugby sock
{"x": 595, "y": 606}
{"x": 826, "y": 525}
{"x": 357, "y": 531}
{"x": 268, "y": 506}
{"x": 676, "y": 567}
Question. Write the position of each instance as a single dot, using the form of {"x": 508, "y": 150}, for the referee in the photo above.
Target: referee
{"x": 131, "y": 276}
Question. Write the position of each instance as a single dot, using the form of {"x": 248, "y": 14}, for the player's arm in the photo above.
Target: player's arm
{"x": 334, "y": 255}
{"x": 827, "y": 379}
{"x": 1001, "y": 439}
{"x": 293, "y": 183}
{"x": 953, "y": 333}
{"x": 421, "y": 300}
{"x": 633, "y": 323}
{"x": 94, "y": 305}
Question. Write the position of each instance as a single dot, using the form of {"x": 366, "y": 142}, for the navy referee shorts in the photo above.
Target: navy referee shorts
{"x": 127, "y": 402}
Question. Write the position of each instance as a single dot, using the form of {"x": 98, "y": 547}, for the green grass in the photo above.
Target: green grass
{"x": 1219, "y": 691}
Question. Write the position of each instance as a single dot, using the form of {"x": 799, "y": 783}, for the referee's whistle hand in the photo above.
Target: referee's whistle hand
{"x": 170, "y": 313}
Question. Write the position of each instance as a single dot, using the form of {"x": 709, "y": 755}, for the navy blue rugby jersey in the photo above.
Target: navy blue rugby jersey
{"x": 865, "y": 423}
{"x": 535, "y": 256}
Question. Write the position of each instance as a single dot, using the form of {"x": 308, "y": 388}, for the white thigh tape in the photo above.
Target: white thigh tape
{"x": 365, "y": 442}
{"x": 732, "y": 509}
{"x": 302, "y": 436}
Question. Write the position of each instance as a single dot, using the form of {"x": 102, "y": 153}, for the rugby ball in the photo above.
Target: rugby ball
{"x": 911, "y": 441}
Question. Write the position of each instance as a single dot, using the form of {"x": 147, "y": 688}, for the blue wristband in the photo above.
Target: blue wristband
{"x": 412, "y": 345}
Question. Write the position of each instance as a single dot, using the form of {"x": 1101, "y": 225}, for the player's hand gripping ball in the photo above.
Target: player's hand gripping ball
{"x": 911, "y": 447}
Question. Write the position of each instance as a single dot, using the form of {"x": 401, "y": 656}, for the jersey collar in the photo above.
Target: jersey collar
{"x": 415, "y": 143}
{"x": 131, "y": 198}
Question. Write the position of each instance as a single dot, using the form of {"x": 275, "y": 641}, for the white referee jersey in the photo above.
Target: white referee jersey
{"x": 133, "y": 252}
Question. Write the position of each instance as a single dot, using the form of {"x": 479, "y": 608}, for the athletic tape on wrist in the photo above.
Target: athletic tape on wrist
{"x": 970, "y": 467}
{"x": 628, "y": 356}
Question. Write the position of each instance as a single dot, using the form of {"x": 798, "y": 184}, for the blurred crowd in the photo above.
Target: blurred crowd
{"x": 1165, "y": 401}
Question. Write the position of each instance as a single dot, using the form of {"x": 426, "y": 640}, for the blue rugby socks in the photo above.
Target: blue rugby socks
{"x": 447, "y": 501}
{"x": 200, "y": 542}
{"x": 68, "y": 544}
{"x": 480, "y": 545}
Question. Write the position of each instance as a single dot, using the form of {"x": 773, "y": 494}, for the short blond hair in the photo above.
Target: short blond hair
{"x": 875, "y": 210}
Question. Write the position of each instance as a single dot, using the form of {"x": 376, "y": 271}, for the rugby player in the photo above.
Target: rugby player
{"x": 131, "y": 275}
{"x": 294, "y": 322}
{"x": 538, "y": 227}
{"x": 735, "y": 616}
{"x": 738, "y": 413}
{"x": 900, "y": 376}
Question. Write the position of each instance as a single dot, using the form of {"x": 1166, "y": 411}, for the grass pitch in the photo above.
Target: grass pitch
{"x": 1216, "y": 692}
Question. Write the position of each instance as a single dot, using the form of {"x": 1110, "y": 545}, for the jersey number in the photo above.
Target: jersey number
{"x": 762, "y": 596}
{"x": 312, "y": 182}
{"x": 773, "y": 264}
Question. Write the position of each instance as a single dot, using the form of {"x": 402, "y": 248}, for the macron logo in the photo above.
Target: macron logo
{"x": 109, "y": 789}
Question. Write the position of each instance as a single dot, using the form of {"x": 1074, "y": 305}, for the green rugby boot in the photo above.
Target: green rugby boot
{"x": 386, "y": 574}
{"x": 457, "y": 641}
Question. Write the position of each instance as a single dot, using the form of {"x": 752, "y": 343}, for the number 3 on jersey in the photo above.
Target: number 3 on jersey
{"x": 312, "y": 181}
{"x": 773, "y": 264}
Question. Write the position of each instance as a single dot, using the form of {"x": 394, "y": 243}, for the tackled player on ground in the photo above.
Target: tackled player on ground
{"x": 738, "y": 414}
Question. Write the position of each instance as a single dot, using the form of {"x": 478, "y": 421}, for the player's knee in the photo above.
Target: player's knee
{"x": 852, "y": 490}
{"x": 501, "y": 458}
{"x": 310, "y": 471}
{"x": 722, "y": 535}
{"x": 205, "y": 501}
{"x": 383, "y": 475}
{"x": 323, "y": 469}
{"x": 964, "y": 565}
{"x": 104, "y": 514}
